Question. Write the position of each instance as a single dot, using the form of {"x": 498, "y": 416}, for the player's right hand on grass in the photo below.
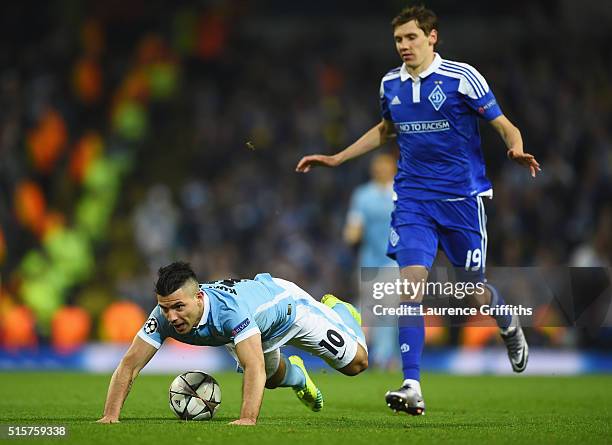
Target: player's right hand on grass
{"x": 108, "y": 419}
{"x": 307, "y": 162}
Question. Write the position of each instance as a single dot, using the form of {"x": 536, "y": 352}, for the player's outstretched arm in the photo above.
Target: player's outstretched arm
{"x": 514, "y": 142}
{"x": 133, "y": 361}
{"x": 250, "y": 354}
{"x": 373, "y": 138}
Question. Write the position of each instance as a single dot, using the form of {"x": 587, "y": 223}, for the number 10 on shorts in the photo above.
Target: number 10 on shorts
{"x": 335, "y": 341}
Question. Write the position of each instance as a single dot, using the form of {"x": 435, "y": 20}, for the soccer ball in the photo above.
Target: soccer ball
{"x": 195, "y": 395}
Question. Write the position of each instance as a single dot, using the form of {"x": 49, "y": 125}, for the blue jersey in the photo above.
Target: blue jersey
{"x": 371, "y": 207}
{"x": 436, "y": 121}
{"x": 233, "y": 311}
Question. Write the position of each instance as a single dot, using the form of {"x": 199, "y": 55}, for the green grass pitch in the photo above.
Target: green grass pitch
{"x": 460, "y": 409}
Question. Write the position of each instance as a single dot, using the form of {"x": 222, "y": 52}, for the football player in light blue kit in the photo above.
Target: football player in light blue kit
{"x": 432, "y": 106}
{"x": 367, "y": 224}
{"x": 252, "y": 319}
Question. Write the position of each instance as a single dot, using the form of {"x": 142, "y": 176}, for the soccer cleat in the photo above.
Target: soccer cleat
{"x": 518, "y": 350}
{"x": 331, "y": 301}
{"x": 406, "y": 399}
{"x": 310, "y": 394}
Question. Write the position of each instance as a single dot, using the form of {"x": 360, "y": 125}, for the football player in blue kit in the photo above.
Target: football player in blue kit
{"x": 432, "y": 106}
{"x": 252, "y": 319}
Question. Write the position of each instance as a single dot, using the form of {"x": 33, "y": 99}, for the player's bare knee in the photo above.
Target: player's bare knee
{"x": 361, "y": 365}
{"x": 357, "y": 365}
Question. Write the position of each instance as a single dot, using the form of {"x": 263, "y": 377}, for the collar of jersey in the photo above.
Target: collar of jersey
{"x": 206, "y": 301}
{"x": 437, "y": 61}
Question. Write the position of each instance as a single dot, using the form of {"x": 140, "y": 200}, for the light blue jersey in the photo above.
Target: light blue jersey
{"x": 436, "y": 120}
{"x": 371, "y": 207}
{"x": 233, "y": 311}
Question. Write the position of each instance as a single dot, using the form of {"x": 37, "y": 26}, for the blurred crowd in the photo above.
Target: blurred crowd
{"x": 123, "y": 146}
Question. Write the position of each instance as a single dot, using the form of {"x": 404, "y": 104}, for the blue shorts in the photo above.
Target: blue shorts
{"x": 458, "y": 225}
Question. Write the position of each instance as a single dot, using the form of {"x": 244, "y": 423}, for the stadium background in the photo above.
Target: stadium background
{"x": 122, "y": 146}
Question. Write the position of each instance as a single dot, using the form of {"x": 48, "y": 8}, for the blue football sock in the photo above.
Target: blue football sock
{"x": 294, "y": 377}
{"x": 349, "y": 320}
{"x": 411, "y": 339}
{"x": 504, "y": 320}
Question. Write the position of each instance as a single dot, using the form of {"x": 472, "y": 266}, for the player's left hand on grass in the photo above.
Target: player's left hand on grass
{"x": 107, "y": 419}
{"x": 246, "y": 422}
{"x": 526, "y": 160}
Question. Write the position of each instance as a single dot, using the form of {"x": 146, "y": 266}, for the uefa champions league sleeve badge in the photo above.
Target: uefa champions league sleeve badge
{"x": 150, "y": 326}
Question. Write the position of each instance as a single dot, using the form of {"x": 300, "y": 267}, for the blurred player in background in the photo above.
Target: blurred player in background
{"x": 432, "y": 105}
{"x": 253, "y": 319}
{"x": 367, "y": 225}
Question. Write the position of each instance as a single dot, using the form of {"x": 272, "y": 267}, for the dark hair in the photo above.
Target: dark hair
{"x": 172, "y": 277}
{"x": 425, "y": 18}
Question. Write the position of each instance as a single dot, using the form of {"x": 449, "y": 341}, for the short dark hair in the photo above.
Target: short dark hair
{"x": 173, "y": 277}
{"x": 425, "y": 18}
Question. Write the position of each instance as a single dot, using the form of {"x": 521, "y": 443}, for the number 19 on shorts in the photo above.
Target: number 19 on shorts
{"x": 473, "y": 260}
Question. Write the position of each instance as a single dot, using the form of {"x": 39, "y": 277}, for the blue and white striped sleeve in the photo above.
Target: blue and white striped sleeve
{"x": 475, "y": 89}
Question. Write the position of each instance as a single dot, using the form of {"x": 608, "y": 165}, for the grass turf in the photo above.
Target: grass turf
{"x": 487, "y": 409}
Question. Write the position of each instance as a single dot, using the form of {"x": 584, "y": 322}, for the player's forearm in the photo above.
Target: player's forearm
{"x": 512, "y": 138}
{"x": 371, "y": 140}
{"x": 252, "y": 391}
{"x": 118, "y": 390}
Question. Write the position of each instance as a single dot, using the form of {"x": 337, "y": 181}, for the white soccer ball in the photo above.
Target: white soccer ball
{"x": 195, "y": 395}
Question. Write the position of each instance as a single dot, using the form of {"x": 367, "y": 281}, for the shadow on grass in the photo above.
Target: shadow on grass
{"x": 177, "y": 420}
{"x": 21, "y": 420}
{"x": 381, "y": 423}
{"x": 462, "y": 425}
{"x": 281, "y": 423}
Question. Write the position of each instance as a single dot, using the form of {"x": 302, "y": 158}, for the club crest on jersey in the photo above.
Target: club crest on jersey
{"x": 393, "y": 238}
{"x": 437, "y": 97}
{"x": 150, "y": 326}
{"x": 243, "y": 324}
